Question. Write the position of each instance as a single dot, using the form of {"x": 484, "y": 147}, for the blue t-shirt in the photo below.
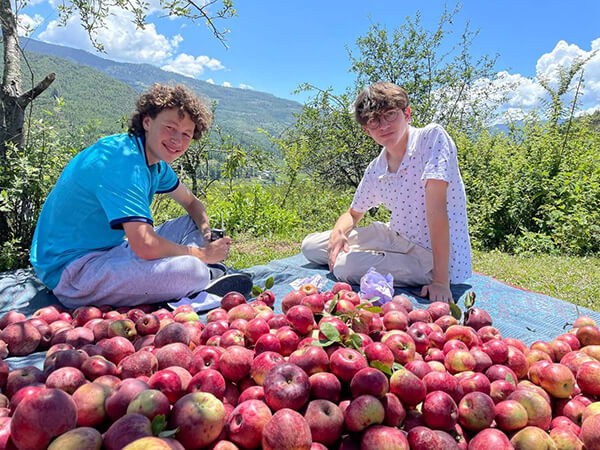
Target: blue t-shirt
{"x": 104, "y": 186}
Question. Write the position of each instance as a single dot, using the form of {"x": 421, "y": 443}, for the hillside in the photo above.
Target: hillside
{"x": 95, "y": 88}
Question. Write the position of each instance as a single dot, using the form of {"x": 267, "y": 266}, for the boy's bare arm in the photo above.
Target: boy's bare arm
{"x": 194, "y": 207}
{"x": 338, "y": 240}
{"x": 437, "y": 220}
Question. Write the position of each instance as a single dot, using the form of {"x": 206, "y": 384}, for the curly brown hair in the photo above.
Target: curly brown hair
{"x": 377, "y": 98}
{"x": 162, "y": 96}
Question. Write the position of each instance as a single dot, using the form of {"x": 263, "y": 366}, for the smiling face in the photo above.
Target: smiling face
{"x": 392, "y": 134}
{"x": 168, "y": 135}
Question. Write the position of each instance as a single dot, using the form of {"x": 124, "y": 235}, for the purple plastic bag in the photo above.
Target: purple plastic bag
{"x": 373, "y": 284}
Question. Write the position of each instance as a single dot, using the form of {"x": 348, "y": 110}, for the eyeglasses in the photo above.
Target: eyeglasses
{"x": 388, "y": 117}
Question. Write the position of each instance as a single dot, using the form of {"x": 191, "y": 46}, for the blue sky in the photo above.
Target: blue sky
{"x": 276, "y": 45}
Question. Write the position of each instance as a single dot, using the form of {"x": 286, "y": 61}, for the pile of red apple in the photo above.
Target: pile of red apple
{"x": 331, "y": 371}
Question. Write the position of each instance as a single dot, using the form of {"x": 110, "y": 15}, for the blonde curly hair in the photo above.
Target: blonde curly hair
{"x": 162, "y": 96}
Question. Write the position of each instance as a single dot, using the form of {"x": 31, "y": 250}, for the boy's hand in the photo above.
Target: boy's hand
{"x": 437, "y": 292}
{"x": 218, "y": 250}
{"x": 337, "y": 242}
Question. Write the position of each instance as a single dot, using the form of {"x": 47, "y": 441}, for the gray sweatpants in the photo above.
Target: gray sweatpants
{"x": 374, "y": 246}
{"x": 117, "y": 277}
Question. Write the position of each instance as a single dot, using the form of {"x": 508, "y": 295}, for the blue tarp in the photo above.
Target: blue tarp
{"x": 517, "y": 313}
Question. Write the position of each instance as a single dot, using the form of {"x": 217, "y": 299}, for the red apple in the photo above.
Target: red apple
{"x": 286, "y": 386}
{"x": 246, "y": 422}
{"x": 325, "y": 420}
{"x": 287, "y": 430}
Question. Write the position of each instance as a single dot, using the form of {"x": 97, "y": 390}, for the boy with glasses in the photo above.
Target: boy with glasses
{"x": 416, "y": 176}
{"x": 103, "y": 196}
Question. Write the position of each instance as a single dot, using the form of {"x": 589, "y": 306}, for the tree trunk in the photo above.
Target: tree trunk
{"x": 12, "y": 99}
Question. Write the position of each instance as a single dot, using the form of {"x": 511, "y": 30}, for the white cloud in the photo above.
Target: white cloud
{"x": 121, "y": 40}
{"x": 226, "y": 84}
{"x": 245, "y": 86}
{"x": 528, "y": 93}
{"x": 192, "y": 66}
{"x": 210, "y": 81}
{"x": 27, "y": 24}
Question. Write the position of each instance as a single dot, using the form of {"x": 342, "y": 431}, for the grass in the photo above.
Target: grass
{"x": 569, "y": 278}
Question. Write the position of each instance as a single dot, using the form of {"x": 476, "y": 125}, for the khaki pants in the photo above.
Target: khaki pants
{"x": 374, "y": 246}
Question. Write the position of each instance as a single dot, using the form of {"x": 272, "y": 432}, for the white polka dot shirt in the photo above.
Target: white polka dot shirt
{"x": 430, "y": 154}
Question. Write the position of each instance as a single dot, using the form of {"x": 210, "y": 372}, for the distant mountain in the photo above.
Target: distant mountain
{"x": 106, "y": 90}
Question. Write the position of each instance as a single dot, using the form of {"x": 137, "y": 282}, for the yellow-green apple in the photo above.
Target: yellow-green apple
{"x": 287, "y": 430}
{"x": 78, "y": 438}
{"x": 532, "y": 437}
{"x": 362, "y": 412}
{"x": 325, "y": 420}
{"x": 286, "y": 386}
{"x": 590, "y": 410}
{"x": 325, "y": 385}
{"x": 150, "y": 403}
{"x": 246, "y": 422}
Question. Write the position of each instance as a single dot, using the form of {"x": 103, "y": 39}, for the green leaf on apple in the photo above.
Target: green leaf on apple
{"x": 322, "y": 343}
{"x": 381, "y": 366}
{"x": 158, "y": 424}
{"x": 356, "y": 340}
{"x": 330, "y": 332}
{"x": 510, "y": 379}
{"x": 333, "y": 304}
{"x": 396, "y": 366}
{"x": 455, "y": 311}
{"x": 374, "y": 299}
{"x": 256, "y": 291}
{"x": 374, "y": 309}
{"x": 469, "y": 299}
{"x": 168, "y": 433}
{"x": 269, "y": 283}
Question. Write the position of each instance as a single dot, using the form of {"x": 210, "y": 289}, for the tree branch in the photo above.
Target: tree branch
{"x": 31, "y": 94}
